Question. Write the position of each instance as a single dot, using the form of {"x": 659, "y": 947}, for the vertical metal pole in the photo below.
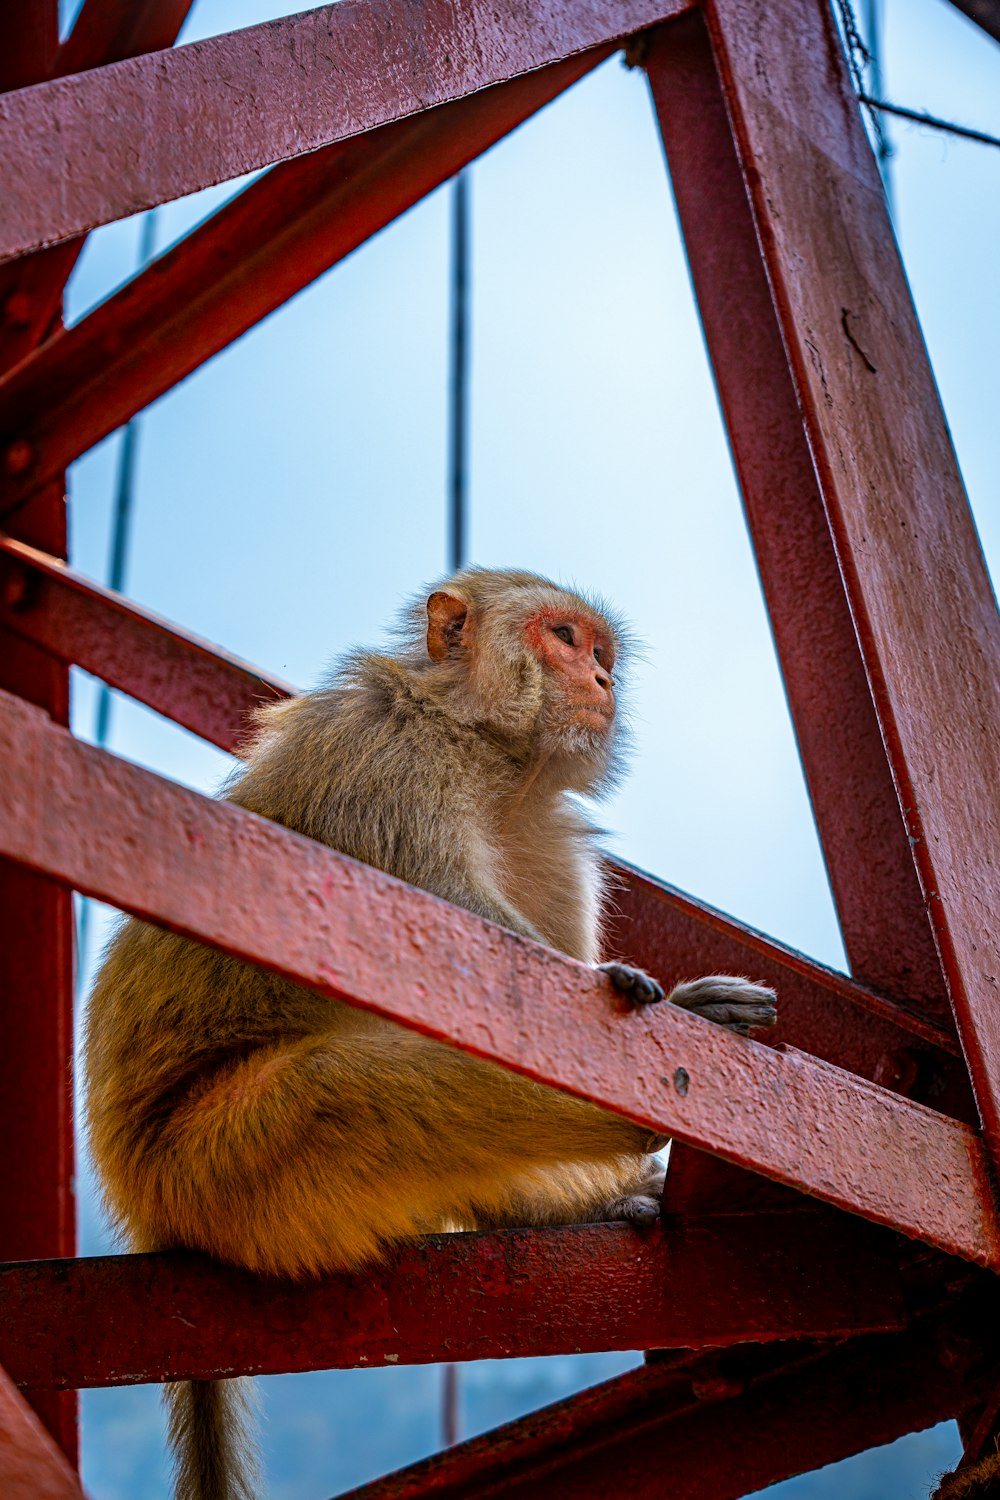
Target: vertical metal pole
{"x": 38, "y": 1216}
{"x": 459, "y": 375}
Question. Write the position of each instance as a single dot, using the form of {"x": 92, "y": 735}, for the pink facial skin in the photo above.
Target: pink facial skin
{"x": 581, "y": 655}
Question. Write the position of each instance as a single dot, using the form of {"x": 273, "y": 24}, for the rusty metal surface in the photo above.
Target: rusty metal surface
{"x": 274, "y": 238}
{"x": 920, "y": 596}
{"x": 821, "y": 1011}
{"x": 104, "y": 31}
{"x": 883, "y": 917}
{"x": 31, "y": 1466}
{"x": 714, "y": 1428}
{"x": 653, "y": 924}
{"x": 29, "y": 37}
{"x": 981, "y": 1427}
{"x": 194, "y": 683}
{"x": 98, "y": 146}
{"x": 709, "y": 1282}
{"x": 36, "y": 919}
{"x": 247, "y": 886}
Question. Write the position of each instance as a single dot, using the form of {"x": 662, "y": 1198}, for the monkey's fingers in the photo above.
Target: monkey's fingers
{"x": 729, "y": 1001}
{"x": 640, "y": 1209}
{"x": 639, "y": 987}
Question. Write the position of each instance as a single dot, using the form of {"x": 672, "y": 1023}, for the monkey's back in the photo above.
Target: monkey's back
{"x": 371, "y": 767}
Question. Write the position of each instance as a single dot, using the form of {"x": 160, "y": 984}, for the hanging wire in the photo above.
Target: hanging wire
{"x": 883, "y": 146}
{"x": 121, "y": 527}
{"x": 459, "y": 376}
{"x": 863, "y": 62}
{"x": 859, "y": 60}
{"x": 921, "y": 117}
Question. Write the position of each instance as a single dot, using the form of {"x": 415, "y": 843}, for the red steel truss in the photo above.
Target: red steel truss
{"x": 801, "y": 1330}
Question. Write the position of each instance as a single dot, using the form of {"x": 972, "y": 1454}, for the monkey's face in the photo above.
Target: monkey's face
{"x": 576, "y": 653}
{"x": 534, "y": 664}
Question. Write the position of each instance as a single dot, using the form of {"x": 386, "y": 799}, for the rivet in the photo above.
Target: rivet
{"x": 682, "y": 1079}
{"x": 19, "y": 457}
{"x": 17, "y": 310}
{"x": 15, "y": 588}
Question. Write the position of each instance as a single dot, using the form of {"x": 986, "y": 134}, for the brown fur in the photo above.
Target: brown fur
{"x": 240, "y": 1114}
{"x": 980, "y": 1481}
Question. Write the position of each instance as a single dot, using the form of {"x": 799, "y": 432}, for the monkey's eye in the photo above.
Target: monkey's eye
{"x": 564, "y": 633}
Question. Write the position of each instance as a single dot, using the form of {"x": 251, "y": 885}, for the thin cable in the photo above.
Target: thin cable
{"x": 121, "y": 527}
{"x": 459, "y": 381}
{"x": 859, "y": 61}
{"x": 921, "y": 117}
{"x": 121, "y": 524}
{"x": 883, "y": 146}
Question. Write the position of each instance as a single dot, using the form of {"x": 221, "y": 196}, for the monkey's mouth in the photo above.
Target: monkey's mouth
{"x": 580, "y": 707}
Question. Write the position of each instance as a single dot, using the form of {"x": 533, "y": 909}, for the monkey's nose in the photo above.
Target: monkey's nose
{"x": 603, "y": 680}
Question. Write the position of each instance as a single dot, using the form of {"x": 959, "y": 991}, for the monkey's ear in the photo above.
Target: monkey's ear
{"x": 446, "y": 617}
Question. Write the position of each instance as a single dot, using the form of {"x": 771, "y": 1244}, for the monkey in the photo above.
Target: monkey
{"x": 238, "y": 1113}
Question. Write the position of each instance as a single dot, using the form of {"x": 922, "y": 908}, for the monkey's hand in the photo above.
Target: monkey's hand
{"x": 639, "y": 988}
{"x": 729, "y": 1001}
{"x": 642, "y": 1205}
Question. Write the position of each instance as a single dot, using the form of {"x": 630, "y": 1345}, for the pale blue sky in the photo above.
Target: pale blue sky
{"x": 291, "y": 493}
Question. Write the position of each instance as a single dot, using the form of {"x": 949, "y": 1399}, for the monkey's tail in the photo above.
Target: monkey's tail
{"x": 211, "y": 1425}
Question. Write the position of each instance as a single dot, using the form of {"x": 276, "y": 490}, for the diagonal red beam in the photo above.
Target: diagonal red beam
{"x": 99, "y": 146}
{"x": 985, "y": 13}
{"x": 107, "y": 31}
{"x": 217, "y": 873}
{"x": 273, "y": 239}
{"x": 883, "y": 916}
{"x": 31, "y": 1466}
{"x": 914, "y": 573}
{"x": 104, "y": 31}
{"x": 126, "y": 1319}
{"x": 653, "y": 924}
{"x": 187, "y": 679}
{"x": 713, "y": 1428}
{"x": 674, "y": 936}
{"x": 29, "y": 37}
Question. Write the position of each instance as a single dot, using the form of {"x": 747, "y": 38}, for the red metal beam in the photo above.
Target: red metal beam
{"x": 653, "y": 924}
{"x": 715, "y": 1429}
{"x": 217, "y": 873}
{"x": 906, "y": 543}
{"x": 882, "y": 912}
{"x": 194, "y": 683}
{"x": 31, "y": 1466}
{"x": 269, "y": 242}
{"x": 728, "y": 1280}
{"x": 980, "y": 1428}
{"x": 36, "y": 1005}
{"x": 29, "y": 36}
{"x": 674, "y": 936}
{"x": 99, "y": 146}
{"x": 35, "y": 923}
{"x": 104, "y": 31}
{"x": 107, "y": 31}
{"x": 985, "y": 13}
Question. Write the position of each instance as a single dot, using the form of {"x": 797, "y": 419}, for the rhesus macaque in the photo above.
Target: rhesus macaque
{"x": 238, "y": 1113}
